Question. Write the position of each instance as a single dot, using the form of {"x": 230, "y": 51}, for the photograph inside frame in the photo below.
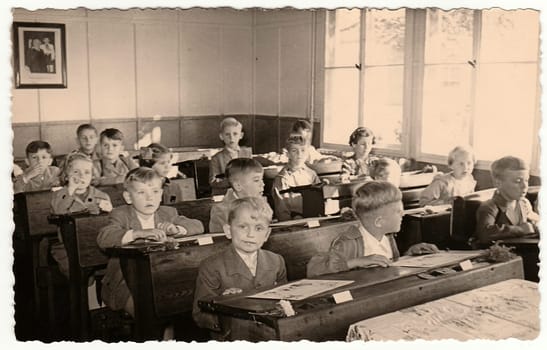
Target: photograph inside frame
{"x": 364, "y": 170}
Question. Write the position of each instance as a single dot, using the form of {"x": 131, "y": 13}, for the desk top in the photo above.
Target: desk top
{"x": 498, "y": 311}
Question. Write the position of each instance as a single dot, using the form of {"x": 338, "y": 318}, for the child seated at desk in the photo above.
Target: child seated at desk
{"x": 86, "y": 137}
{"x": 246, "y": 179}
{"x": 114, "y": 163}
{"x": 142, "y": 218}
{"x": 296, "y": 173}
{"x": 379, "y": 207}
{"x": 386, "y": 169}
{"x": 458, "y": 182}
{"x": 230, "y": 133}
{"x": 508, "y": 214}
{"x": 241, "y": 267}
{"x": 76, "y": 196}
{"x": 303, "y": 128}
{"x": 158, "y": 157}
{"x": 40, "y": 174}
{"x": 361, "y": 141}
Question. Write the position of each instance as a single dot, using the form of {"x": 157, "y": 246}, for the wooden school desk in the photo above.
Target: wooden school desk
{"x": 507, "y": 309}
{"x": 420, "y": 226}
{"x": 375, "y": 292}
{"x": 162, "y": 281}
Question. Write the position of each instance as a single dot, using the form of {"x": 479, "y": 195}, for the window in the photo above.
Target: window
{"x": 428, "y": 80}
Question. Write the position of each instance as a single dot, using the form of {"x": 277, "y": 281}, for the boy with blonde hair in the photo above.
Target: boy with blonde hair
{"x": 508, "y": 213}
{"x": 296, "y": 173}
{"x": 246, "y": 180}
{"x": 379, "y": 207}
{"x": 304, "y": 128}
{"x": 230, "y": 133}
{"x": 115, "y": 162}
{"x": 241, "y": 267}
{"x": 141, "y": 218}
{"x": 458, "y": 182}
{"x": 386, "y": 169}
{"x": 40, "y": 174}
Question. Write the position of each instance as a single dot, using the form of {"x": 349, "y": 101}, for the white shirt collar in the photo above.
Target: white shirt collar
{"x": 374, "y": 246}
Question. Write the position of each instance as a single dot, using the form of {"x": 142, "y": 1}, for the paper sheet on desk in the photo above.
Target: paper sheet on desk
{"x": 303, "y": 221}
{"x": 300, "y": 290}
{"x": 437, "y": 259}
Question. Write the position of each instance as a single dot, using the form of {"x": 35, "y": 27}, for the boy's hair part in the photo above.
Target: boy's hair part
{"x": 374, "y": 195}
{"x": 241, "y": 166}
{"x": 83, "y": 127}
{"x": 37, "y": 145}
{"x": 112, "y": 133}
{"x": 379, "y": 167}
{"x": 142, "y": 175}
{"x": 295, "y": 140}
{"x": 230, "y": 121}
{"x": 460, "y": 150}
{"x": 360, "y": 132}
{"x": 149, "y": 155}
{"x": 255, "y": 204}
{"x": 301, "y": 124}
{"x": 499, "y": 166}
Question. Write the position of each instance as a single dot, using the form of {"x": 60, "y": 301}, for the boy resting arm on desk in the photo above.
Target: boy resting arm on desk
{"x": 246, "y": 180}
{"x": 379, "y": 208}
{"x": 40, "y": 174}
{"x": 142, "y": 218}
{"x": 242, "y": 266}
{"x": 508, "y": 213}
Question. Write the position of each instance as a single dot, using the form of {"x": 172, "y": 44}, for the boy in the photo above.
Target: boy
{"x": 296, "y": 173}
{"x": 75, "y": 197}
{"x": 243, "y": 266}
{"x": 230, "y": 133}
{"x": 303, "y": 128}
{"x": 379, "y": 208}
{"x": 386, "y": 169}
{"x": 87, "y": 139}
{"x": 40, "y": 174}
{"x": 142, "y": 218}
{"x": 508, "y": 213}
{"x": 246, "y": 179}
{"x": 114, "y": 163}
{"x": 458, "y": 182}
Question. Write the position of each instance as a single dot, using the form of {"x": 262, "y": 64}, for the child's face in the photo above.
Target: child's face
{"x": 79, "y": 175}
{"x": 41, "y": 157}
{"x": 462, "y": 165}
{"x": 250, "y": 184}
{"x": 363, "y": 147}
{"x": 390, "y": 217}
{"x": 111, "y": 149}
{"x": 297, "y": 155}
{"x": 87, "y": 140}
{"x": 513, "y": 184}
{"x": 163, "y": 164}
{"x": 248, "y": 231}
{"x": 231, "y": 136}
{"x": 144, "y": 197}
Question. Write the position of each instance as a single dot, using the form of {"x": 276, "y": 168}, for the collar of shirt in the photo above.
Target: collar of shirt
{"x": 374, "y": 246}
{"x": 146, "y": 223}
{"x": 233, "y": 152}
{"x": 250, "y": 261}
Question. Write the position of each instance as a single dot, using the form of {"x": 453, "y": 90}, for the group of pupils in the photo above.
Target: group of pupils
{"x": 244, "y": 214}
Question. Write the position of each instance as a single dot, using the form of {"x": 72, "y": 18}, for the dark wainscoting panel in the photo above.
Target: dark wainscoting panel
{"x": 22, "y": 135}
{"x": 200, "y": 131}
{"x": 266, "y": 134}
{"x": 61, "y": 137}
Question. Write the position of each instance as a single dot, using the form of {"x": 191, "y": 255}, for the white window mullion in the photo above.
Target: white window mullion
{"x": 477, "y": 29}
{"x": 413, "y": 103}
{"x": 361, "y": 65}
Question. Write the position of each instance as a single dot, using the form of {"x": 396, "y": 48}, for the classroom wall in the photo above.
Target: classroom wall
{"x": 170, "y": 75}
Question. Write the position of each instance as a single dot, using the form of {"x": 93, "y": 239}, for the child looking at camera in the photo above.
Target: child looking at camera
{"x": 40, "y": 174}
{"x": 296, "y": 173}
{"x": 458, "y": 182}
{"x": 241, "y": 267}
{"x": 141, "y": 218}
{"x": 231, "y": 132}
{"x": 158, "y": 157}
{"x": 246, "y": 180}
{"x": 115, "y": 162}
{"x": 379, "y": 207}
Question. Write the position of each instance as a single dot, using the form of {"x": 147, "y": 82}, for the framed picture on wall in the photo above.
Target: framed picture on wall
{"x": 39, "y": 55}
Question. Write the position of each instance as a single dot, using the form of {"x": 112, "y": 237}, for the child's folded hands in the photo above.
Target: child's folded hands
{"x": 171, "y": 229}
{"x": 154, "y": 234}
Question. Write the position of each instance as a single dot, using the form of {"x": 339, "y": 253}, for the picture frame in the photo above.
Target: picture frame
{"x": 39, "y": 55}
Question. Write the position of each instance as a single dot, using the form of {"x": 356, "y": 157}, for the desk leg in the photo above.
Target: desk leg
{"x": 136, "y": 271}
